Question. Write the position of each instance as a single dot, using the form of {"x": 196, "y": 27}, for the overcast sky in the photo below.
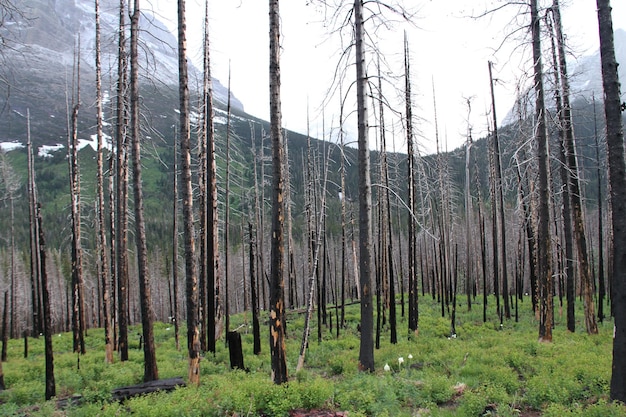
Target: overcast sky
{"x": 449, "y": 50}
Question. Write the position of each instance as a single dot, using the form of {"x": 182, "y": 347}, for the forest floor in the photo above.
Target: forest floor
{"x": 484, "y": 369}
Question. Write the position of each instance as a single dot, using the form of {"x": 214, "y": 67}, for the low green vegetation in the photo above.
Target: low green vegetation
{"x": 487, "y": 370}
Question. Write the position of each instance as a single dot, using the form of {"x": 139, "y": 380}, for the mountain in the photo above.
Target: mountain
{"x": 587, "y": 73}
{"x": 585, "y": 80}
{"x": 38, "y": 59}
{"x": 38, "y": 70}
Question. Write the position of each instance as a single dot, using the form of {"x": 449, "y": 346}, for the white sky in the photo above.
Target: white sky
{"x": 447, "y": 47}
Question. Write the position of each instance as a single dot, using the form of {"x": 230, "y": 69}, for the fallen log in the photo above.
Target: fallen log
{"x": 124, "y": 393}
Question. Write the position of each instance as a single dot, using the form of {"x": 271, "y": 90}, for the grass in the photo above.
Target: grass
{"x": 485, "y": 370}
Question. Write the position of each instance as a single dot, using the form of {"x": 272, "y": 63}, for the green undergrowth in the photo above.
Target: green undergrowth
{"x": 487, "y": 369}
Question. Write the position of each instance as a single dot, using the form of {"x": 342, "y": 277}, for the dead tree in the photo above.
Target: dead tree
{"x": 103, "y": 263}
{"x": 256, "y": 333}
{"x": 613, "y": 108}
{"x": 121, "y": 189}
{"x": 413, "y": 321}
{"x": 277, "y": 296}
{"x": 193, "y": 342}
{"x": 366, "y": 350}
{"x": 573, "y": 184}
{"x": 47, "y": 312}
{"x": 499, "y": 203}
{"x": 227, "y": 217}
{"x": 175, "y": 315}
{"x": 601, "y": 274}
{"x": 212, "y": 242}
{"x": 151, "y": 372}
{"x": 78, "y": 307}
{"x": 544, "y": 251}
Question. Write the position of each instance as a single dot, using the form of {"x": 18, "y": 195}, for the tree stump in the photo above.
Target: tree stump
{"x": 235, "y": 351}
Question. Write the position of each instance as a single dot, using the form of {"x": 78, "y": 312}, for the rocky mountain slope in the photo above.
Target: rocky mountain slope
{"x": 38, "y": 66}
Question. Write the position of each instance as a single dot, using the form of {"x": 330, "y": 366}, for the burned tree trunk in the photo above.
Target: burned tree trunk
{"x": 121, "y": 192}
{"x": 47, "y": 312}
{"x": 151, "y": 372}
{"x": 502, "y": 260}
{"x": 544, "y": 267}
{"x": 277, "y": 296}
{"x": 573, "y": 183}
{"x": 78, "y": 307}
{"x": 366, "y": 351}
{"x": 617, "y": 181}
{"x": 254, "y": 302}
{"x": 103, "y": 263}
{"x": 212, "y": 246}
{"x": 193, "y": 342}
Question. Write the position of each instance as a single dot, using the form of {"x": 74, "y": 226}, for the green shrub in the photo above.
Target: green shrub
{"x": 475, "y": 402}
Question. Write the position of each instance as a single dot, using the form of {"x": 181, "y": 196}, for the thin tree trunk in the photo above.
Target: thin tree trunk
{"x": 100, "y": 225}
{"x": 617, "y": 185}
{"x": 13, "y": 324}
{"x": 78, "y": 307}
{"x": 2, "y": 384}
{"x": 291, "y": 268}
{"x": 202, "y": 211}
{"x": 343, "y": 196}
{"x": 566, "y": 210}
{"x": 151, "y": 372}
{"x": 227, "y": 219}
{"x": 256, "y": 331}
{"x": 34, "y": 235}
{"x": 413, "y": 322}
{"x": 366, "y": 351}
{"x": 5, "y": 325}
{"x": 212, "y": 213}
{"x": 386, "y": 238}
{"x": 175, "y": 317}
{"x": 544, "y": 267}
{"x": 601, "y": 278}
{"x": 193, "y": 342}
{"x": 469, "y": 272}
{"x": 277, "y": 296}
{"x": 573, "y": 183}
{"x": 47, "y": 312}
{"x": 502, "y": 259}
{"x": 121, "y": 218}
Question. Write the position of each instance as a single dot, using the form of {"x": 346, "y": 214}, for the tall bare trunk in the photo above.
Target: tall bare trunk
{"x": 386, "y": 248}
{"x": 601, "y": 274}
{"x": 256, "y": 331}
{"x": 413, "y": 322}
{"x": 366, "y": 351}
{"x": 613, "y": 108}
{"x": 47, "y": 311}
{"x": 34, "y": 234}
{"x": 78, "y": 307}
{"x": 100, "y": 225}
{"x": 227, "y": 218}
{"x": 121, "y": 192}
{"x": 193, "y": 341}
{"x": 277, "y": 296}
{"x": 151, "y": 372}
{"x": 502, "y": 259}
{"x": 469, "y": 259}
{"x": 175, "y": 316}
{"x": 544, "y": 250}
{"x": 573, "y": 183}
{"x": 211, "y": 183}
